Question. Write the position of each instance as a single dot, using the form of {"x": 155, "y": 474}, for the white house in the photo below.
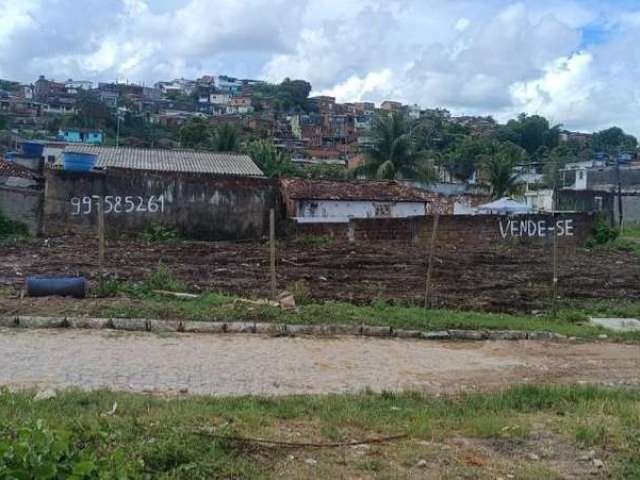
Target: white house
{"x": 329, "y": 201}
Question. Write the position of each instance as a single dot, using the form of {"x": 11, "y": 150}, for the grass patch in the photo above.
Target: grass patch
{"x": 155, "y": 438}
{"x": 211, "y": 306}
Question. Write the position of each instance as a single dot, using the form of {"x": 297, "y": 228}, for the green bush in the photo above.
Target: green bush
{"x": 163, "y": 279}
{"x": 11, "y": 228}
{"x": 602, "y": 235}
{"x": 39, "y": 453}
{"x": 160, "y": 233}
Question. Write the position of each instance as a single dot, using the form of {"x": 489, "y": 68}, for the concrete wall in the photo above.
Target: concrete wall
{"x": 198, "y": 206}
{"x": 23, "y": 205}
{"x": 342, "y": 209}
{"x": 460, "y": 231}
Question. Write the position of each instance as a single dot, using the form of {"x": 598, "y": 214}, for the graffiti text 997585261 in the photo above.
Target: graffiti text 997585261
{"x": 118, "y": 204}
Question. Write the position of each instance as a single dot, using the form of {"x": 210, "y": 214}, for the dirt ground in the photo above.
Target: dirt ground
{"x": 498, "y": 279}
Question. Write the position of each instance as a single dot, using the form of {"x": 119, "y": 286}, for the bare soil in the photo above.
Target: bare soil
{"x": 502, "y": 278}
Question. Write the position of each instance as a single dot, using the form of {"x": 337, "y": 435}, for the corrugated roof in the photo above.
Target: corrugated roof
{"x": 382, "y": 191}
{"x": 186, "y": 161}
{"x": 9, "y": 169}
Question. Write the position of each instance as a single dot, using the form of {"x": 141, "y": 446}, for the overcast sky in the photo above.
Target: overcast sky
{"x": 576, "y": 62}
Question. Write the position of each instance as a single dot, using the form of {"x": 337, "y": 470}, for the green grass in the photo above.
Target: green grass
{"x": 210, "y": 306}
{"x": 160, "y": 438}
{"x": 627, "y": 241}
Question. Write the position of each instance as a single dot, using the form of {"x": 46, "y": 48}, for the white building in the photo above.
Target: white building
{"x": 328, "y": 201}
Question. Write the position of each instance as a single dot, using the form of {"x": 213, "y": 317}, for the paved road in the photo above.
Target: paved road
{"x": 252, "y": 364}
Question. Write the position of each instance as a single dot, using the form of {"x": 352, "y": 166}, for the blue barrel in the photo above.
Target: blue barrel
{"x": 78, "y": 162}
{"x": 32, "y": 149}
{"x": 60, "y": 286}
{"x": 9, "y": 156}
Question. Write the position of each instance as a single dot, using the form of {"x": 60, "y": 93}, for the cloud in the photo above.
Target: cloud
{"x": 568, "y": 59}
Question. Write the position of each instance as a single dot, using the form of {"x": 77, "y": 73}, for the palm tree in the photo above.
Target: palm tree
{"x": 500, "y": 168}
{"x": 273, "y": 163}
{"x": 226, "y": 138}
{"x": 393, "y": 152}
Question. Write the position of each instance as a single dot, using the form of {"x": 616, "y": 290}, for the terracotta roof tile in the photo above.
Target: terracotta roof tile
{"x": 9, "y": 169}
{"x": 383, "y": 191}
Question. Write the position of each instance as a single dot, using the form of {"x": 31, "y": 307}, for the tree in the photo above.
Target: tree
{"x": 272, "y": 162}
{"x": 394, "y": 153}
{"x": 195, "y": 134}
{"x": 465, "y": 155}
{"x": 226, "y": 138}
{"x": 500, "y": 165}
{"x": 614, "y": 140}
{"x": 531, "y": 132}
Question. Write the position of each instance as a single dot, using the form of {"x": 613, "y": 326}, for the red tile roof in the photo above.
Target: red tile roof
{"x": 8, "y": 169}
{"x": 382, "y": 191}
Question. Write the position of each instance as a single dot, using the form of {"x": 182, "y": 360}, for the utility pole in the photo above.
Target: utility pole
{"x": 117, "y": 120}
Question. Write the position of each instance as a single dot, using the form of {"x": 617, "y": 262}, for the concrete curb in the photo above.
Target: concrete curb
{"x": 274, "y": 329}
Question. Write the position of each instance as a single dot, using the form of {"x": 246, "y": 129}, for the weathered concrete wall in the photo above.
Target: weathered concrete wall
{"x": 23, "y": 205}
{"x": 344, "y": 209}
{"x": 198, "y": 206}
{"x": 458, "y": 231}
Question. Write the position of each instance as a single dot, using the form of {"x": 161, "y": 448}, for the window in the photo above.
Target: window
{"x": 580, "y": 175}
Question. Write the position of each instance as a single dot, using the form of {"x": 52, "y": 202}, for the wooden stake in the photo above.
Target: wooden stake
{"x": 554, "y": 303}
{"x": 100, "y": 212}
{"x": 272, "y": 252}
{"x": 432, "y": 244}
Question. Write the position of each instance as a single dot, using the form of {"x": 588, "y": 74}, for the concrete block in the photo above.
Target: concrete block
{"x": 507, "y": 335}
{"x": 407, "y": 333}
{"x": 160, "y": 326}
{"x": 265, "y": 328}
{"x": 300, "y": 329}
{"x": 542, "y": 335}
{"x": 468, "y": 334}
{"x": 203, "y": 327}
{"x": 241, "y": 327}
{"x": 41, "y": 322}
{"x": 129, "y": 324}
{"x": 617, "y": 324}
{"x": 8, "y": 322}
{"x": 435, "y": 335}
{"x": 376, "y": 331}
{"x": 346, "y": 329}
{"x": 90, "y": 323}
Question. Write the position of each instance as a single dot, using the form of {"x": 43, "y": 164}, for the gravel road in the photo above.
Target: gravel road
{"x": 253, "y": 364}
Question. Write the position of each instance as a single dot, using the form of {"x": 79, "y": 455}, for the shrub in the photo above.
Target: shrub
{"x": 39, "y": 453}
{"x": 301, "y": 292}
{"x": 605, "y": 234}
{"x": 11, "y": 228}
{"x": 160, "y": 233}
{"x": 163, "y": 279}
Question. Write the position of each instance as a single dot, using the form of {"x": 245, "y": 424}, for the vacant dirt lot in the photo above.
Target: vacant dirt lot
{"x": 499, "y": 279}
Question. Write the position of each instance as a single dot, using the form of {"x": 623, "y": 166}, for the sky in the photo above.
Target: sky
{"x": 574, "y": 61}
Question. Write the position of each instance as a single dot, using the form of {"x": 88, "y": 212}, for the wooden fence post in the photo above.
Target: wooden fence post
{"x": 272, "y": 252}
{"x": 100, "y": 213}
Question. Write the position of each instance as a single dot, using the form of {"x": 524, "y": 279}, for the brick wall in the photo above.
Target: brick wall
{"x": 460, "y": 230}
